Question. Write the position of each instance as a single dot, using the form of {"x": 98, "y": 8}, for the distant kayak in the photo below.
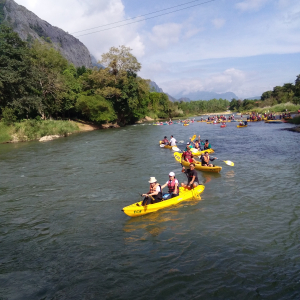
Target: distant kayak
{"x": 273, "y": 121}
{"x": 134, "y": 210}
{"x": 240, "y": 126}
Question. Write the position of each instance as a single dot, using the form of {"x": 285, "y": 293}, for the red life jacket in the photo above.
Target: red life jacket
{"x": 171, "y": 185}
{"x": 188, "y": 156}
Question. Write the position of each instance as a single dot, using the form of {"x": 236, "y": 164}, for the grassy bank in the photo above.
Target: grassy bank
{"x": 295, "y": 120}
{"x": 278, "y": 108}
{"x": 29, "y": 130}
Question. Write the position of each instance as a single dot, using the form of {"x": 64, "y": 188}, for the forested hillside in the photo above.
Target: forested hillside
{"x": 36, "y": 81}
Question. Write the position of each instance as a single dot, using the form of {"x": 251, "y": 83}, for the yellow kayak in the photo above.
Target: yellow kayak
{"x": 240, "y": 126}
{"x": 186, "y": 124}
{"x": 198, "y": 165}
{"x": 166, "y": 146}
{"x": 198, "y": 153}
{"x": 273, "y": 121}
{"x": 184, "y": 194}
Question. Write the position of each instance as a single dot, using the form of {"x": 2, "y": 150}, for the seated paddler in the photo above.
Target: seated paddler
{"x": 188, "y": 155}
{"x": 165, "y": 141}
{"x": 154, "y": 195}
{"x": 205, "y": 159}
{"x": 192, "y": 177}
{"x": 172, "y": 184}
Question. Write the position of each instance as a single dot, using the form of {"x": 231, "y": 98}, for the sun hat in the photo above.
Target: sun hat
{"x": 171, "y": 174}
{"x": 152, "y": 180}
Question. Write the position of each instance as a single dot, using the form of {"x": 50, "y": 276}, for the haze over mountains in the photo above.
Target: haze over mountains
{"x": 200, "y": 95}
{"x": 30, "y": 27}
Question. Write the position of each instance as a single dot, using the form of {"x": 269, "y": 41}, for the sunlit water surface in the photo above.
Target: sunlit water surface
{"x": 63, "y": 234}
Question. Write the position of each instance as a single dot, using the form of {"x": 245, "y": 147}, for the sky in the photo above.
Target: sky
{"x": 241, "y": 46}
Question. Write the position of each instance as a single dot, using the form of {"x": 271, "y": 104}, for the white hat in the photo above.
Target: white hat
{"x": 152, "y": 180}
{"x": 188, "y": 143}
{"x": 171, "y": 174}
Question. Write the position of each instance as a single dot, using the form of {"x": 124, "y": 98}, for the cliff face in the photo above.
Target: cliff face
{"x": 30, "y": 27}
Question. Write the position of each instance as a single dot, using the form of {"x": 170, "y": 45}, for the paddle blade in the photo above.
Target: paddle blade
{"x": 177, "y": 156}
{"x": 193, "y": 137}
{"x": 174, "y": 148}
{"x": 194, "y": 150}
{"x": 229, "y": 163}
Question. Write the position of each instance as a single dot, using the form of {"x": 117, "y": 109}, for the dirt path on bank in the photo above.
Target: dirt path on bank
{"x": 83, "y": 126}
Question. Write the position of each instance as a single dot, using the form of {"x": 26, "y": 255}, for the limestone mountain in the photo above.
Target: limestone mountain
{"x": 30, "y": 27}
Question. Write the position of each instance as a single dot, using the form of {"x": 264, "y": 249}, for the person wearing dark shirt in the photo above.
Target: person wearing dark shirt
{"x": 192, "y": 176}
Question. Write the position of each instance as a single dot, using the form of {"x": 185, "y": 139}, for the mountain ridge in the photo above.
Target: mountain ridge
{"x": 30, "y": 27}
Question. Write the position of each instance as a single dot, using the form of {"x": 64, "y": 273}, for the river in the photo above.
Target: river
{"x": 63, "y": 234}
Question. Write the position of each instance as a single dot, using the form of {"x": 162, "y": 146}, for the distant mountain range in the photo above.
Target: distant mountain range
{"x": 203, "y": 95}
{"x": 196, "y": 95}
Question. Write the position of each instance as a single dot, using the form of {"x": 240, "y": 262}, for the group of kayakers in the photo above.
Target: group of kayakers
{"x": 155, "y": 194}
{"x": 172, "y": 141}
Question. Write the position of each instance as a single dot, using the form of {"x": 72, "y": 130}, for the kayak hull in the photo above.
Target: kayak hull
{"x": 240, "y": 126}
{"x": 134, "y": 210}
{"x": 199, "y": 167}
{"x": 202, "y": 152}
{"x": 273, "y": 121}
{"x": 166, "y": 146}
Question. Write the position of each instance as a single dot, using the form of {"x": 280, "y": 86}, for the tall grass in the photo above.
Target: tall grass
{"x": 28, "y": 130}
{"x": 4, "y": 133}
{"x": 282, "y": 107}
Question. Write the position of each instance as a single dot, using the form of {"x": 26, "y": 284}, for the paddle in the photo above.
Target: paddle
{"x": 193, "y": 137}
{"x": 177, "y": 156}
{"x": 162, "y": 145}
{"x": 175, "y": 148}
{"x": 228, "y": 162}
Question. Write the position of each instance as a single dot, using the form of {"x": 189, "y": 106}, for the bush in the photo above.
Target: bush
{"x": 9, "y": 116}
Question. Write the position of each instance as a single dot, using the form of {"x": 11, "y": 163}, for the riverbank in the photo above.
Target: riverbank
{"x": 30, "y": 130}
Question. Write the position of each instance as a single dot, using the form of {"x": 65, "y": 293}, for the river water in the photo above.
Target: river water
{"x": 63, "y": 234}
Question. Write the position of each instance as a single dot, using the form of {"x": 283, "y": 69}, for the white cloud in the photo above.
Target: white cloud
{"x": 250, "y": 5}
{"x": 75, "y": 15}
{"x": 218, "y": 22}
{"x": 227, "y": 81}
{"x": 166, "y": 34}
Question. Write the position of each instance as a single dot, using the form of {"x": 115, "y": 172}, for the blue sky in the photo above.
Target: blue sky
{"x": 240, "y": 46}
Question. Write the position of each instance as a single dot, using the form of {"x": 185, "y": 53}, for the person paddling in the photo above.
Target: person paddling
{"x": 165, "y": 141}
{"x": 188, "y": 155}
{"x": 192, "y": 176}
{"x": 172, "y": 184}
{"x": 188, "y": 146}
{"x": 205, "y": 160}
{"x": 197, "y": 144}
{"x": 173, "y": 141}
{"x": 207, "y": 145}
{"x": 154, "y": 195}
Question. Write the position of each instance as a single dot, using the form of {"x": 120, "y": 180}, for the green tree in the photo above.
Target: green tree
{"x": 96, "y": 108}
{"x": 49, "y": 66}
{"x": 16, "y": 75}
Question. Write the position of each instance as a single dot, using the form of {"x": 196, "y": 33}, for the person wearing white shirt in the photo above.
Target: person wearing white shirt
{"x": 173, "y": 141}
